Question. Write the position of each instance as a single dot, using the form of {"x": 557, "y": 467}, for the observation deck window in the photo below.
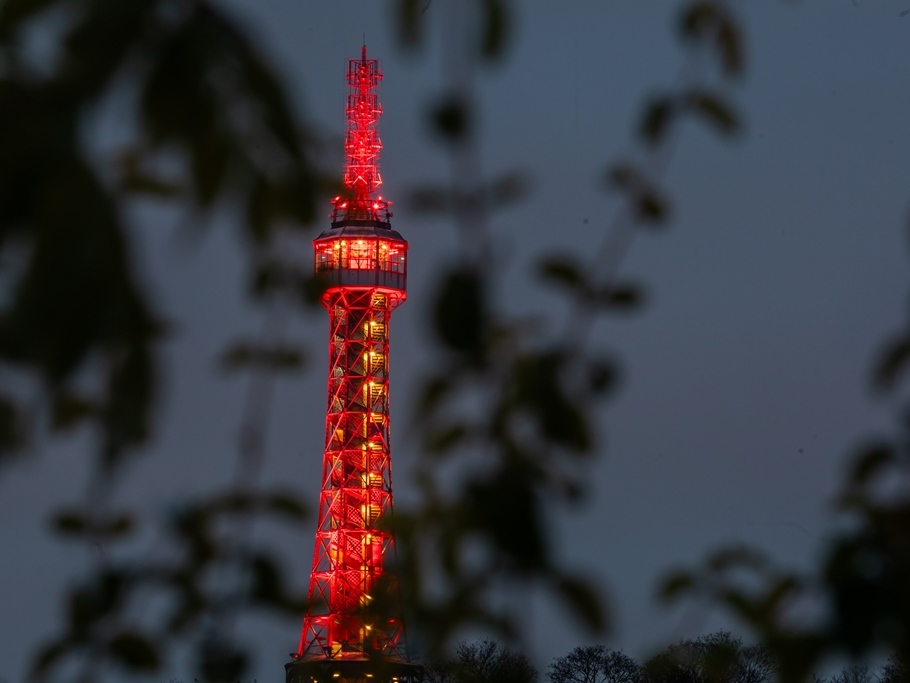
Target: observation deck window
{"x": 361, "y": 254}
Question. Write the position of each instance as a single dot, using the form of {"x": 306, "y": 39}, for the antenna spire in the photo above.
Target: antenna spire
{"x": 362, "y": 145}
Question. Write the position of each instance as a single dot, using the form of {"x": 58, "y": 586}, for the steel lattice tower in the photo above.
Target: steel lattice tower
{"x": 353, "y": 629}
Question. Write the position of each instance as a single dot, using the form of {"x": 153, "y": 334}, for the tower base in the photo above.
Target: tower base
{"x": 352, "y": 671}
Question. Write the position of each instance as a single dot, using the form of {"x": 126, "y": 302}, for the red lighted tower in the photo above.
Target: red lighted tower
{"x": 353, "y": 628}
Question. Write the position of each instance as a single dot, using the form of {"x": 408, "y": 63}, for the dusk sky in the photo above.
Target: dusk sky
{"x": 745, "y": 378}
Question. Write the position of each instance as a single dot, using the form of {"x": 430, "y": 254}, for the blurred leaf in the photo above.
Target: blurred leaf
{"x": 210, "y": 162}
{"x": 12, "y": 427}
{"x": 892, "y": 363}
{"x": 706, "y": 19}
{"x": 14, "y": 13}
{"x": 736, "y": 557}
{"x": 433, "y": 393}
{"x": 276, "y": 358}
{"x": 652, "y": 207}
{"x": 540, "y": 388}
{"x": 131, "y": 392}
{"x": 191, "y": 603}
{"x": 137, "y": 180}
{"x": 564, "y": 270}
{"x": 495, "y": 22}
{"x": 274, "y": 276}
{"x": 410, "y": 13}
{"x": 624, "y": 176}
{"x": 698, "y": 19}
{"x": 459, "y": 313}
{"x": 657, "y": 118}
{"x": 584, "y": 602}
{"x": 268, "y": 586}
{"x": 602, "y": 375}
{"x": 450, "y": 119}
{"x": 508, "y": 188}
{"x": 625, "y": 297}
{"x": 76, "y": 523}
{"x": 675, "y": 585}
{"x": 118, "y": 527}
{"x": 193, "y": 528}
{"x": 313, "y": 287}
{"x": 713, "y": 110}
{"x": 430, "y": 199}
{"x": 287, "y": 505}
{"x": 134, "y": 651}
{"x": 221, "y": 660}
{"x": 70, "y": 523}
{"x": 505, "y": 507}
{"x": 870, "y": 462}
{"x": 446, "y": 438}
{"x": 69, "y": 409}
{"x": 89, "y": 604}
{"x": 50, "y": 654}
{"x": 729, "y": 44}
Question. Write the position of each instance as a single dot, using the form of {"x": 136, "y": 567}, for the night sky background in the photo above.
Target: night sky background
{"x": 745, "y": 378}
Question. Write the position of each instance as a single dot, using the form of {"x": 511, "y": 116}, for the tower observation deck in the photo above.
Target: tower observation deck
{"x": 353, "y": 629}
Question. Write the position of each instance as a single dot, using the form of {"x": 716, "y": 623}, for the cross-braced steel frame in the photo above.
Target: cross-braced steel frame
{"x": 351, "y": 539}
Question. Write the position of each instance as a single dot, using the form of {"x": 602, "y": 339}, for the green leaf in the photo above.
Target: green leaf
{"x": 134, "y": 651}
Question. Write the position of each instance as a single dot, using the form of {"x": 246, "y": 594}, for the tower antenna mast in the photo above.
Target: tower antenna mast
{"x": 353, "y": 629}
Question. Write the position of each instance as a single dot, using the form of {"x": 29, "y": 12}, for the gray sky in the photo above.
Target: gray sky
{"x": 745, "y": 378}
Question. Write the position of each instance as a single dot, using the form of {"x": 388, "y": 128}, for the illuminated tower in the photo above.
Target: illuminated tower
{"x": 353, "y": 629}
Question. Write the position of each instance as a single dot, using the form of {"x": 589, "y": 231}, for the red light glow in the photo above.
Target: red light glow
{"x": 362, "y": 144}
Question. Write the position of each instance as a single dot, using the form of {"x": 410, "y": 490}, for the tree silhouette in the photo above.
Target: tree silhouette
{"x": 714, "y": 658}
{"x": 484, "y": 661}
{"x": 594, "y": 664}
